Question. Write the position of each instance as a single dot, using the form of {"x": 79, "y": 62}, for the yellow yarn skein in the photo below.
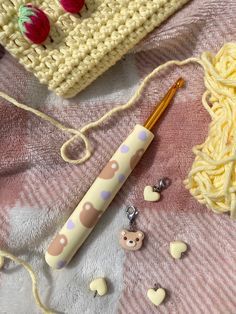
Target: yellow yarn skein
{"x": 212, "y": 179}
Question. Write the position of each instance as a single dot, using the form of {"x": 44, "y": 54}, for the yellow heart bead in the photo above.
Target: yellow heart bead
{"x": 99, "y": 286}
{"x": 156, "y": 296}
{"x": 150, "y": 195}
{"x": 177, "y": 248}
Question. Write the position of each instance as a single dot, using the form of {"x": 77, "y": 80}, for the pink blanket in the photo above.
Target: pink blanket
{"x": 38, "y": 190}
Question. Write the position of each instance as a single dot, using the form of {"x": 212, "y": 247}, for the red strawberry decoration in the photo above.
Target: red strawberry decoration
{"x": 33, "y": 23}
{"x": 72, "y": 6}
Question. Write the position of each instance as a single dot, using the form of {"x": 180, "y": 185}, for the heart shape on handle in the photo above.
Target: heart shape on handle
{"x": 150, "y": 195}
{"x": 177, "y": 248}
{"x": 99, "y": 285}
{"x": 156, "y": 296}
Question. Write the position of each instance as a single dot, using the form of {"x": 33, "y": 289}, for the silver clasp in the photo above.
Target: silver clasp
{"x": 162, "y": 184}
{"x": 131, "y": 212}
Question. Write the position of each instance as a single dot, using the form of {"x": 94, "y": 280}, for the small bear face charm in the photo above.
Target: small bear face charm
{"x": 131, "y": 240}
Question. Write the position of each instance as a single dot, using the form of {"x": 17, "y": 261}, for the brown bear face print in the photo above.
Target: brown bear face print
{"x": 109, "y": 170}
{"x": 131, "y": 240}
{"x": 57, "y": 245}
{"x": 89, "y": 215}
{"x": 136, "y": 157}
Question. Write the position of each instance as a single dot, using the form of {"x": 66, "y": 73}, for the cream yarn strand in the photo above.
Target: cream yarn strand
{"x": 80, "y": 134}
{"x": 28, "y": 268}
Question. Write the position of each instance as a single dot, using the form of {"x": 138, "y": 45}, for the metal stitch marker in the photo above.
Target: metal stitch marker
{"x": 131, "y": 239}
{"x": 162, "y": 184}
{"x": 132, "y": 213}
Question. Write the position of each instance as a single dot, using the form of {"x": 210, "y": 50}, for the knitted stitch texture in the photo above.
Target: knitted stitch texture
{"x": 83, "y": 46}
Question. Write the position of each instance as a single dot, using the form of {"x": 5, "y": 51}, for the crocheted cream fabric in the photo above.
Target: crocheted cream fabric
{"x": 84, "y": 47}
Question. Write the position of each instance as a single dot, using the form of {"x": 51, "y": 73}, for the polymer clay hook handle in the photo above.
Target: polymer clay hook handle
{"x": 105, "y": 187}
{"x": 98, "y": 197}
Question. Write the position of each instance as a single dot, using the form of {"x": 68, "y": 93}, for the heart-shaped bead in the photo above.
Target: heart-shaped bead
{"x": 156, "y": 296}
{"x": 150, "y": 195}
{"x": 177, "y": 248}
{"x": 99, "y": 286}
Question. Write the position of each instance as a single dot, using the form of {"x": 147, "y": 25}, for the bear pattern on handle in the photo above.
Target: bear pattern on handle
{"x": 89, "y": 215}
{"x": 57, "y": 245}
{"x": 97, "y": 198}
{"x": 109, "y": 170}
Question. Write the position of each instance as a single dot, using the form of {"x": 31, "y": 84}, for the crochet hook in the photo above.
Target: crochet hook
{"x": 88, "y": 212}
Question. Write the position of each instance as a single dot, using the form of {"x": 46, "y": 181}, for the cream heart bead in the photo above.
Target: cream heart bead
{"x": 150, "y": 195}
{"x": 156, "y": 296}
{"x": 177, "y": 248}
{"x": 99, "y": 286}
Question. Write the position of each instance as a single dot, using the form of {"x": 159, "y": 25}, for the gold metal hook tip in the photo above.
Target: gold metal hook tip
{"x": 160, "y": 108}
{"x": 180, "y": 83}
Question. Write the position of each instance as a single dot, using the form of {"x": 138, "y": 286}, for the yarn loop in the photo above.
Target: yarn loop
{"x": 80, "y": 134}
{"x": 31, "y": 272}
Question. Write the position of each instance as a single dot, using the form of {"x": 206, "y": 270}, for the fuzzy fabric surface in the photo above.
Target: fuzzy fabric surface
{"x": 38, "y": 190}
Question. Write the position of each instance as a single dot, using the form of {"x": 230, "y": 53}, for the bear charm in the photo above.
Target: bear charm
{"x": 131, "y": 239}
